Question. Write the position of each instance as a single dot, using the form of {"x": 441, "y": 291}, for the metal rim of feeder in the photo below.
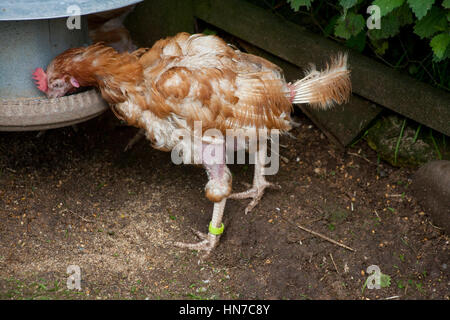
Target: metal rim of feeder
{"x": 49, "y": 9}
{"x": 42, "y": 113}
{"x": 22, "y": 106}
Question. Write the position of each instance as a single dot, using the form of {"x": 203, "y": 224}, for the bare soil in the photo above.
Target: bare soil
{"x": 75, "y": 198}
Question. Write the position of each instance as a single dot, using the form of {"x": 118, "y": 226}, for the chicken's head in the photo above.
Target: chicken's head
{"x": 54, "y": 84}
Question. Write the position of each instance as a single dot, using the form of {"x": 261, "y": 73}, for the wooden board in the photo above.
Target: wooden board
{"x": 156, "y": 19}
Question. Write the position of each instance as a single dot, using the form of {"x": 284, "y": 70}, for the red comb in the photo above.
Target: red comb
{"x": 40, "y": 79}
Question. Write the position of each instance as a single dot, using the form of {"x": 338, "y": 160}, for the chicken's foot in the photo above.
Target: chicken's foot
{"x": 208, "y": 241}
{"x": 259, "y": 184}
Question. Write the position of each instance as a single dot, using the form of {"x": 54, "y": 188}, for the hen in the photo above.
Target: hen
{"x": 189, "y": 79}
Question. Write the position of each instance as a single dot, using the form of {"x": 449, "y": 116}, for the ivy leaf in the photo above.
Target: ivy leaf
{"x": 387, "y": 6}
{"x": 403, "y": 14}
{"x": 347, "y": 4}
{"x": 433, "y": 22}
{"x": 296, "y": 4}
{"x": 420, "y": 7}
{"x": 209, "y": 32}
{"x": 330, "y": 26}
{"x": 390, "y": 26}
{"x": 349, "y": 25}
{"x": 380, "y": 46}
{"x": 446, "y": 4}
{"x": 357, "y": 42}
{"x": 439, "y": 44}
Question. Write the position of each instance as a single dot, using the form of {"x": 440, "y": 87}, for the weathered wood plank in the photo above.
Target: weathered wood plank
{"x": 153, "y": 20}
{"x": 341, "y": 124}
{"x": 370, "y": 79}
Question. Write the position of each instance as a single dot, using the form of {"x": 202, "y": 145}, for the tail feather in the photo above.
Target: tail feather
{"x": 321, "y": 89}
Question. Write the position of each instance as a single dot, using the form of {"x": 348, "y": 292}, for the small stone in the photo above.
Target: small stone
{"x": 431, "y": 188}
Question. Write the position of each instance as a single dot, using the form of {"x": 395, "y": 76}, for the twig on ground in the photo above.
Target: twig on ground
{"x": 285, "y": 160}
{"x": 332, "y": 260}
{"x": 376, "y": 213}
{"x": 362, "y": 157}
{"x": 82, "y": 218}
{"x": 435, "y": 226}
{"x": 319, "y": 235}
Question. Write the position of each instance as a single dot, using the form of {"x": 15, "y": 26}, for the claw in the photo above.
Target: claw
{"x": 255, "y": 193}
{"x": 209, "y": 242}
{"x": 200, "y": 235}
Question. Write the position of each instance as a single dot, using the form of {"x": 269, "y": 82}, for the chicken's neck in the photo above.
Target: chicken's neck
{"x": 118, "y": 76}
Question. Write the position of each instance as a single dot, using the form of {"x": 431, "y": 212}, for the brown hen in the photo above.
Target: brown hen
{"x": 187, "y": 80}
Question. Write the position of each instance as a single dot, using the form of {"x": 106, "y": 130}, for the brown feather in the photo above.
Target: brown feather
{"x": 322, "y": 89}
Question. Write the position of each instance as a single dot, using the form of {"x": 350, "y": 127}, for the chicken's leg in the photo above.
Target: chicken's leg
{"x": 138, "y": 136}
{"x": 210, "y": 240}
{"x": 218, "y": 189}
{"x": 259, "y": 183}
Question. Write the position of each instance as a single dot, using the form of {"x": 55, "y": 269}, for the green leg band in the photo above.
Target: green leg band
{"x": 215, "y": 231}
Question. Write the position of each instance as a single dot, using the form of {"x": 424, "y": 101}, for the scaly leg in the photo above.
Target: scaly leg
{"x": 138, "y": 136}
{"x": 217, "y": 190}
{"x": 209, "y": 241}
{"x": 259, "y": 183}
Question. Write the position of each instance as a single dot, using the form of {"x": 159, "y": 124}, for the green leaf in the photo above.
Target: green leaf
{"x": 349, "y": 25}
{"x": 439, "y": 44}
{"x": 209, "y": 32}
{"x": 357, "y": 42}
{"x": 420, "y": 7}
{"x": 330, "y": 26}
{"x": 446, "y": 4}
{"x": 347, "y": 4}
{"x": 387, "y": 6}
{"x": 391, "y": 23}
{"x": 296, "y": 4}
{"x": 385, "y": 280}
{"x": 390, "y": 26}
{"x": 404, "y": 15}
{"x": 380, "y": 46}
{"x": 433, "y": 22}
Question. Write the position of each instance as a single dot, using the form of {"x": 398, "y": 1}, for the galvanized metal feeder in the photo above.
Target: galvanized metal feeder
{"x": 32, "y": 33}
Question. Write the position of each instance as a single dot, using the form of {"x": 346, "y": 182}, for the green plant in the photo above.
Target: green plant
{"x": 414, "y": 35}
{"x": 397, "y": 146}
{"x": 385, "y": 282}
{"x": 430, "y": 21}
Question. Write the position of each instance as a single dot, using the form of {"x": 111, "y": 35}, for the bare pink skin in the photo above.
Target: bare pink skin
{"x": 59, "y": 88}
{"x": 54, "y": 88}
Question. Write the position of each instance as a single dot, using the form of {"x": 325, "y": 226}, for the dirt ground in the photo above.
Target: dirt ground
{"x": 75, "y": 198}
